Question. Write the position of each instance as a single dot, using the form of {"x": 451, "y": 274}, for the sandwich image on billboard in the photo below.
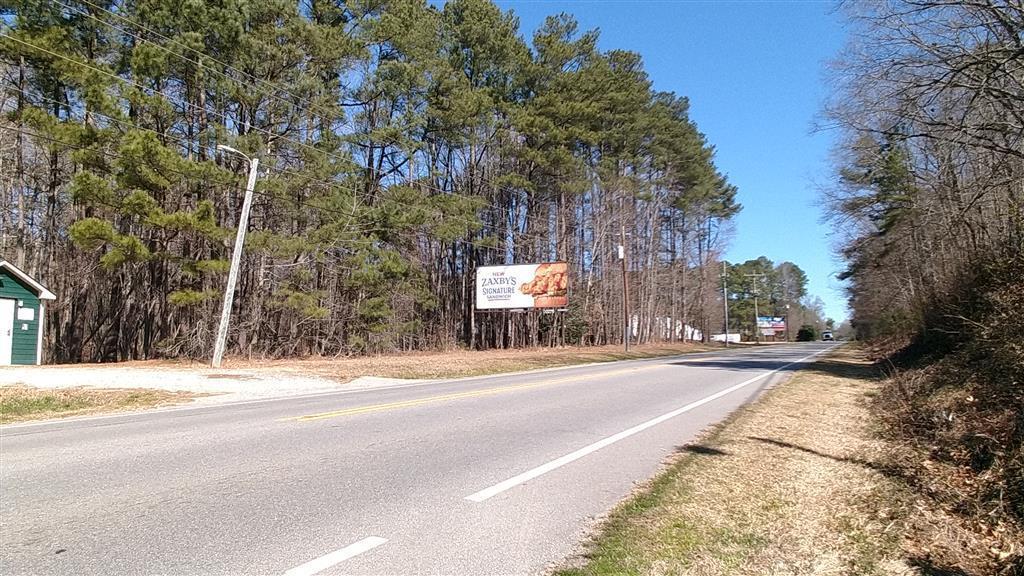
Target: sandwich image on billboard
{"x": 523, "y": 286}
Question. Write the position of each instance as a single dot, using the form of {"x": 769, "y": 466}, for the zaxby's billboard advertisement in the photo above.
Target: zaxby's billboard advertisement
{"x": 523, "y": 286}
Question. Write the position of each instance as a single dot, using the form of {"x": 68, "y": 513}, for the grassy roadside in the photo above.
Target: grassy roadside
{"x": 21, "y": 403}
{"x": 788, "y": 485}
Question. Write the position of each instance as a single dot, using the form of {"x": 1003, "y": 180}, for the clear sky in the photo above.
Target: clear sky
{"x": 755, "y": 76}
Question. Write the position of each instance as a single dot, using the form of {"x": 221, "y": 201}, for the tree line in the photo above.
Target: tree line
{"x": 759, "y": 287}
{"x": 404, "y": 145}
{"x": 929, "y": 196}
{"x": 931, "y": 164}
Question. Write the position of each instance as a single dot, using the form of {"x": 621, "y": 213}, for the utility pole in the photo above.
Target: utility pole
{"x": 625, "y": 280}
{"x": 236, "y": 257}
{"x": 756, "y": 277}
{"x": 787, "y": 322}
{"x": 725, "y": 303}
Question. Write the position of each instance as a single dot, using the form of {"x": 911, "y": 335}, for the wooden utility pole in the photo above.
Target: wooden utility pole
{"x": 472, "y": 315}
{"x": 625, "y": 283}
{"x": 787, "y": 322}
{"x": 756, "y": 276}
{"x": 725, "y": 303}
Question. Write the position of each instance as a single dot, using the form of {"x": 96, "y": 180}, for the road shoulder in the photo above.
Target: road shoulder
{"x": 788, "y": 484}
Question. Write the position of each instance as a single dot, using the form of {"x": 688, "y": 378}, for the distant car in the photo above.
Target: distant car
{"x": 827, "y": 336}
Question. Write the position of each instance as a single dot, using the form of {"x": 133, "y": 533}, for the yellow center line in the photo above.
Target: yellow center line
{"x": 455, "y": 396}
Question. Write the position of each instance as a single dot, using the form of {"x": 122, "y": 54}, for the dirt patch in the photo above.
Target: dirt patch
{"x": 789, "y": 485}
{"x": 231, "y": 377}
{"x": 21, "y": 403}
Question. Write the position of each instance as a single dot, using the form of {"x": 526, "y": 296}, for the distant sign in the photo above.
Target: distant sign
{"x": 523, "y": 286}
{"x": 771, "y": 322}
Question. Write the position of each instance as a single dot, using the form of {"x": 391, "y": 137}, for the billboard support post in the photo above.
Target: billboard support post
{"x": 756, "y": 314}
{"x": 787, "y": 322}
{"x": 625, "y": 283}
{"x": 472, "y": 317}
{"x": 625, "y": 306}
{"x": 725, "y": 303}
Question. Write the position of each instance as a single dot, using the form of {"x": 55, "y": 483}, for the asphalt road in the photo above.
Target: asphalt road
{"x": 495, "y": 475}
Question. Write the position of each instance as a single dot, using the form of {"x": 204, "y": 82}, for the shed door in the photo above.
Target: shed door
{"x": 6, "y": 330}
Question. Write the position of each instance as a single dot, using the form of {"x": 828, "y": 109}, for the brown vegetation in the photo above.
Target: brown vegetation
{"x": 955, "y": 405}
{"x": 931, "y": 199}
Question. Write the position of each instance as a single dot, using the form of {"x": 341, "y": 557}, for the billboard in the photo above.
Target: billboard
{"x": 771, "y": 322}
{"x": 522, "y": 286}
{"x": 771, "y": 325}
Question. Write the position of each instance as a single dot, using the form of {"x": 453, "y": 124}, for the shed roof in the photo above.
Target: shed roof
{"x": 41, "y": 290}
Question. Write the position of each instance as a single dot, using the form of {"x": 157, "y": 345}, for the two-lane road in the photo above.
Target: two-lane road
{"x": 496, "y": 475}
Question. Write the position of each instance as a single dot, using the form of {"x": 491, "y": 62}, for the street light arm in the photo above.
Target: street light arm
{"x": 225, "y": 148}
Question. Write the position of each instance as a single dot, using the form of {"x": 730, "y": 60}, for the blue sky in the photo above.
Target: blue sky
{"x": 755, "y": 76}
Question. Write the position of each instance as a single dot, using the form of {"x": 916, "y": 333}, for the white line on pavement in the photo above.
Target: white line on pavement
{"x": 559, "y": 462}
{"x": 326, "y": 561}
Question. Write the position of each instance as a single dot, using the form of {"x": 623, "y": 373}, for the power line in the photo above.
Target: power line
{"x": 180, "y": 139}
{"x": 199, "y": 64}
{"x": 187, "y": 144}
{"x": 256, "y": 128}
{"x": 264, "y": 194}
{"x": 186, "y": 175}
{"x": 221, "y": 115}
{"x": 172, "y": 100}
{"x": 200, "y": 53}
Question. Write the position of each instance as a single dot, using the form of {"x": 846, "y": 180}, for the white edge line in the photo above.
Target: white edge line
{"x": 327, "y": 560}
{"x": 572, "y": 456}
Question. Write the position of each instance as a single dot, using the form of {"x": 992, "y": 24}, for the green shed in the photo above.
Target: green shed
{"x": 22, "y": 309}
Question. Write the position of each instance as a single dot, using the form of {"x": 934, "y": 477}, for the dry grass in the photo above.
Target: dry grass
{"x": 20, "y": 403}
{"x": 962, "y": 521}
{"x": 786, "y": 486}
{"x": 452, "y": 363}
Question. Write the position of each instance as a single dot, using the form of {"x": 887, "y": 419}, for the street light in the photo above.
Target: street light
{"x": 236, "y": 256}
{"x": 226, "y": 148}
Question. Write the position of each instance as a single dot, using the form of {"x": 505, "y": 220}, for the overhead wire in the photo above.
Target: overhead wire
{"x": 170, "y": 99}
{"x": 201, "y": 54}
{"x": 180, "y": 173}
{"x": 177, "y": 138}
{"x": 201, "y": 65}
{"x": 170, "y": 40}
{"x": 114, "y": 155}
{"x": 176, "y": 101}
{"x": 157, "y": 93}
